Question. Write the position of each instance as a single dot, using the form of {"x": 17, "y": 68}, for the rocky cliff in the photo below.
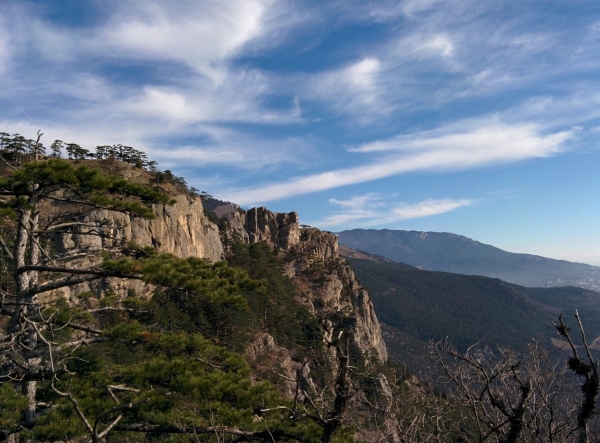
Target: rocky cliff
{"x": 331, "y": 290}
{"x": 180, "y": 229}
{"x": 327, "y": 284}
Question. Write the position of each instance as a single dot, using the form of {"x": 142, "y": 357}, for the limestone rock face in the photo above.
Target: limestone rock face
{"x": 264, "y": 354}
{"x": 328, "y": 284}
{"x": 280, "y": 230}
{"x": 180, "y": 229}
{"x": 331, "y": 290}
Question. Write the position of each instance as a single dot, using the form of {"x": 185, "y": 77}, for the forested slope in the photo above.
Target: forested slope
{"x": 131, "y": 312}
{"x": 429, "y": 305}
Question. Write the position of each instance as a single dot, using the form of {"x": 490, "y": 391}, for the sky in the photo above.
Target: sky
{"x": 475, "y": 117}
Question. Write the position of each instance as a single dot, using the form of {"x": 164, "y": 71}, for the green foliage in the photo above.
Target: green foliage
{"x": 125, "y": 331}
{"x": 166, "y": 379}
{"x": 169, "y": 360}
{"x": 12, "y": 404}
{"x": 568, "y": 299}
{"x": 88, "y": 185}
{"x": 193, "y": 295}
{"x": 274, "y": 303}
{"x": 63, "y": 312}
{"x": 227, "y": 302}
{"x": 163, "y": 376}
{"x": 433, "y": 305}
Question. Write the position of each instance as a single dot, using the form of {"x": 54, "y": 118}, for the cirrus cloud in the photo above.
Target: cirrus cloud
{"x": 470, "y": 145}
{"x": 374, "y": 210}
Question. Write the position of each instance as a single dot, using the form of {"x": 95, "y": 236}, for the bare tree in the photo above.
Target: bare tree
{"x": 512, "y": 397}
{"x": 585, "y": 367}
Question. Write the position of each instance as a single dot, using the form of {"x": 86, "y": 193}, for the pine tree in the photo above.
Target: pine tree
{"x": 56, "y": 147}
{"x": 96, "y": 366}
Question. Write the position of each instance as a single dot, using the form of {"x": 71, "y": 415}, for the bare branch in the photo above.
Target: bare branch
{"x": 5, "y": 248}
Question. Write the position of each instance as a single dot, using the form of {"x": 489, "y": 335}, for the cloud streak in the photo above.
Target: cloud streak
{"x": 448, "y": 149}
{"x": 374, "y": 210}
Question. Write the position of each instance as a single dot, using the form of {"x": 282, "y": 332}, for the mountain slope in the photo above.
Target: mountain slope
{"x": 434, "y": 305}
{"x": 441, "y": 251}
{"x": 416, "y": 306}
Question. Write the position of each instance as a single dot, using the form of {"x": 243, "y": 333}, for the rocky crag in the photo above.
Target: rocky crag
{"x": 327, "y": 283}
{"x": 328, "y": 286}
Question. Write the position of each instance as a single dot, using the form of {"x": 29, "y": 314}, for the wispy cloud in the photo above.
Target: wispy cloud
{"x": 427, "y": 208}
{"x": 184, "y": 85}
{"x": 474, "y": 143}
{"x": 245, "y": 154}
{"x": 200, "y": 83}
{"x": 457, "y": 147}
{"x": 236, "y": 150}
{"x": 4, "y": 45}
{"x": 198, "y": 33}
{"x": 374, "y": 210}
{"x": 436, "y": 45}
{"x": 354, "y": 89}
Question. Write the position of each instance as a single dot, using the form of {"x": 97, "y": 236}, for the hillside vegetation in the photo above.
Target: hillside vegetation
{"x": 105, "y": 339}
{"x": 433, "y": 305}
{"x": 429, "y": 305}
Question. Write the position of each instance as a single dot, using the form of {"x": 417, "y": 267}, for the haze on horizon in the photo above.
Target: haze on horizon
{"x": 476, "y": 118}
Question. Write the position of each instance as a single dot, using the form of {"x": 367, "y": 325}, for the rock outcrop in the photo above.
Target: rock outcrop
{"x": 331, "y": 290}
{"x": 181, "y": 229}
{"x": 325, "y": 283}
{"x": 328, "y": 285}
{"x": 280, "y": 230}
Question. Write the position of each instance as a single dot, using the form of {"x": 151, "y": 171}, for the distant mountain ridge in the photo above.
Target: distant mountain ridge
{"x": 442, "y": 251}
{"x": 416, "y": 306}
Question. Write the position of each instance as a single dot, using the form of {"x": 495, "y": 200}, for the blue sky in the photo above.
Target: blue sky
{"x": 476, "y": 117}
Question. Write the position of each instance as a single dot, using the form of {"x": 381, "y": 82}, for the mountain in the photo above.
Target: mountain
{"x": 442, "y": 251}
{"x": 416, "y": 306}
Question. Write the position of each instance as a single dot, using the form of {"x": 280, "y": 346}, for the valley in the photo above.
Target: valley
{"x": 417, "y": 306}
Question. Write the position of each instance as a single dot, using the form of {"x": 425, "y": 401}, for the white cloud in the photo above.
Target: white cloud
{"x": 358, "y": 202}
{"x": 581, "y": 106}
{"x": 427, "y": 208}
{"x": 163, "y": 103}
{"x": 361, "y": 74}
{"x": 457, "y": 147}
{"x": 412, "y": 7}
{"x": 388, "y": 10}
{"x": 439, "y": 44}
{"x": 198, "y": 33}
{"x": 238, "y": 98}
{"x": 385, "y": 76}
{"x": 352, "y": 89}
{"x": 373, "y": 210}
{"x": 242, "y": 152}
{"x": 481, "y": 142}
{"x": 236, "y": 150}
